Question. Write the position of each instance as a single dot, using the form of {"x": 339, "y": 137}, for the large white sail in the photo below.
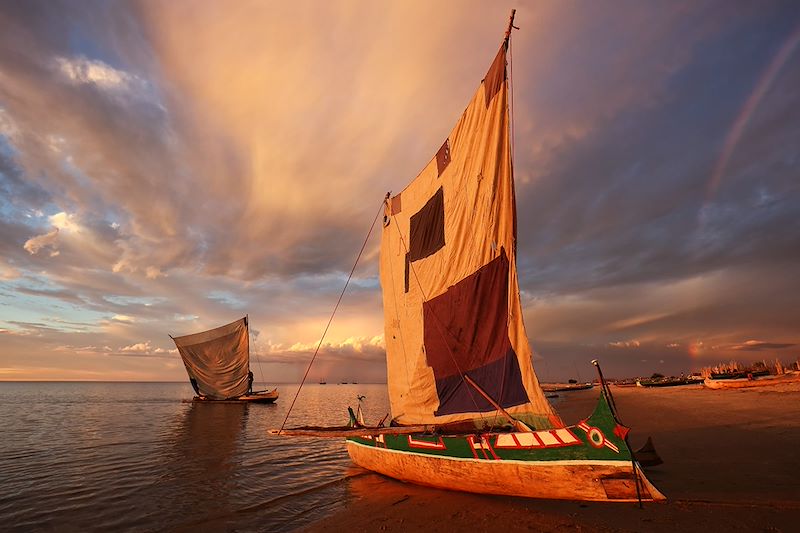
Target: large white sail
{"x": 218, "y": 360}
{"x": 449, "y": 278}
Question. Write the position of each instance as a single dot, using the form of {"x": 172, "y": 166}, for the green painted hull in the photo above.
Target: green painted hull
{"x": 588, "y": 461}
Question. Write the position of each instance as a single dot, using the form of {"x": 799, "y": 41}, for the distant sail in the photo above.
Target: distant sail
{"x": 218, "y": 359}
{"x": 449, "y": 278}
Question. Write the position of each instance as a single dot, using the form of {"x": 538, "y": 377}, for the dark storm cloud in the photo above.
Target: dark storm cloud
{"x": 627, "y": 201}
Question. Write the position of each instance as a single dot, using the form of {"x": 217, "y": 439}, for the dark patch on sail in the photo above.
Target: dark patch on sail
{"x": 426, "y": 232}
{"x": 443, "y": 156}
{"x": 466, "y": 330}
{"x": 396, "y": 205}
{"x": 500, "y": 379}
{"x": 495, "y": 76}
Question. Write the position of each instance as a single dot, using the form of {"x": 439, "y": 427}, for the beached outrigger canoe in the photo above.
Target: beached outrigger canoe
{"x": 468, "y": 411}
{"x": 566, "y": 387}
{"x": 218, "y": 364}
{"x": 792, "y": 377}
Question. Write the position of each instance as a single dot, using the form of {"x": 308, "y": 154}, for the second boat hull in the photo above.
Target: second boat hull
{"x": 256, "y": 397}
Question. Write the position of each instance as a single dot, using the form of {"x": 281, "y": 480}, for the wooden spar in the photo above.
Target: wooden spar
{"x": 613, "y": 408}
{"x": 517, "y": 424}
{"x": 510, "y": 24}
{"x": 606, "y": 390}
{"x": 347, "y": 431}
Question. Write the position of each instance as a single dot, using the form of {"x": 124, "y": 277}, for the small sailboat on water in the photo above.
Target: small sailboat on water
{"x": 218, "y": 364}
{"x": 468, "y": 411}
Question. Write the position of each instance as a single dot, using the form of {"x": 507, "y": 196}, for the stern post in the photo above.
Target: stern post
{"x": 607, "y": 394}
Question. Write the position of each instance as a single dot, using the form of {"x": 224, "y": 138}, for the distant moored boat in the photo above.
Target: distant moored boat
{"x": 218, "y": 364}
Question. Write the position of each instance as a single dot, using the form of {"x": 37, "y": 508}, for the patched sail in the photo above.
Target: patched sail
{"x": 449, "y": 279}
{"x": 218, "y": 360}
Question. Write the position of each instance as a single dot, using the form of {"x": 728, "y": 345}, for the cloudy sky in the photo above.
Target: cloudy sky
{"x": 167, "y": 167}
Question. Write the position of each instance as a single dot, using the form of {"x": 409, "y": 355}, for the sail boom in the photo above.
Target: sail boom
{"x": 348, "y": 431}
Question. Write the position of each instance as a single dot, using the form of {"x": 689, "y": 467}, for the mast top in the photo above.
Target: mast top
{"x": 510, "y": 25}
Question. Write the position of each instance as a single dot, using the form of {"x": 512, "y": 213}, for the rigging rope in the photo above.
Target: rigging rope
{"x": 335, "y": 308}
{"x": 440, "y": 327}
{"x": 260, "y": 368}
{"x": 250, "y": 344}
{"x": 511, "y": 107}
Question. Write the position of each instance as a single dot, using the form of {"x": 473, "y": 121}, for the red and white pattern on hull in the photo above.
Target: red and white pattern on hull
{"x": 380, "y": 441}
{"x": 481, "y": 449}
{"x": 554, "y": 438}
{"x": 414, "y": 443}
{"x": 596, "y": 437}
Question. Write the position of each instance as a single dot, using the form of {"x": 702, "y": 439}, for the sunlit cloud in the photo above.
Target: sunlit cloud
{"x": 8, "y": 127}
{"x": 141, "y": 347}
{"x": 625, "y": 344}
{"x": 84, "y": 350}
{"x": 758, "y": 346}
{"x": 353, "y": 347}
{"x": 8, "y": 272}
{"x": 47, "y": 240}
{"x": 152, "y": 272}
{"x": 637, "y": 321}
{"x": 65, "y": 222}
{"x": 145, "y": 348}
{"x": 80, "y": 70}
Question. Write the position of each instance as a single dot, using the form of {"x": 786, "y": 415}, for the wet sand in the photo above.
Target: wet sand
{"x": 731, "y": 463}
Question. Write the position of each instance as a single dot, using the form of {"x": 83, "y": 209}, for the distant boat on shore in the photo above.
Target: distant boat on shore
{"x": 668, "y": 382}
{"x": 752, "y": 381}
{"x": 739, "y": 374}
{"x": 218, "y": 364}
{"x": 566, "y": 387}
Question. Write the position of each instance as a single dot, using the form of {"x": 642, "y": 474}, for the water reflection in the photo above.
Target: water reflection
{"x": 200, "y": 477}
{"x": 133, "y": 457}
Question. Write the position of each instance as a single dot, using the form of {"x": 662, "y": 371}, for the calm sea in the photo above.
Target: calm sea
{"x": 136, "y": 456}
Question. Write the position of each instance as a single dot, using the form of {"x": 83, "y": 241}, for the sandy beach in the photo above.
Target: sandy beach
{"x": 731, "y": 463}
